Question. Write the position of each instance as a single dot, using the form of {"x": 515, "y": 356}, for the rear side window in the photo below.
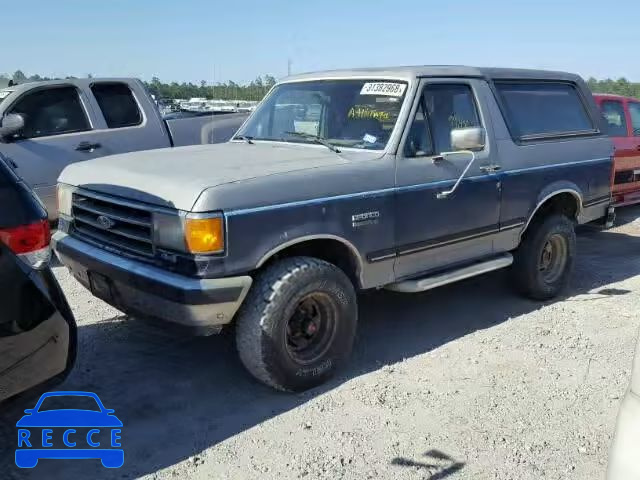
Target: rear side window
{"x": 634, "y": 111}
{"x": 613, "y": 113}
{"x": 543, "y": 109}
{"x": 118, "y": 105}
{"x": 52, "y": 111}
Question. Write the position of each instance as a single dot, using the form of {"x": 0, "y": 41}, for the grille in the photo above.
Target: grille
{"x": 121, "y": 225}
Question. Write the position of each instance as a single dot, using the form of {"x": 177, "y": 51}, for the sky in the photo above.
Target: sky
{"x": 215, "y": 41}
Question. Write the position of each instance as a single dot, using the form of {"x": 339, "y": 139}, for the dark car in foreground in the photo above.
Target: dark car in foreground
{"x": 37, "y": 327}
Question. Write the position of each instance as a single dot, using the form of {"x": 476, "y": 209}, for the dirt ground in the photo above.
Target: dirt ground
{"x": 468, "y": 381}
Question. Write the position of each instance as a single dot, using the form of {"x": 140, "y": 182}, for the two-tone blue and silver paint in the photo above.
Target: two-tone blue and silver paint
{"x": 380, "y": 206}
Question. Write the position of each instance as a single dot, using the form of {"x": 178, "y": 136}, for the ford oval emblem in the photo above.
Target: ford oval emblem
{"x": 105, "y": 222}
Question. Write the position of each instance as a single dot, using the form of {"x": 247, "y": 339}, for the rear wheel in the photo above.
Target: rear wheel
{"x": 544, "y": 260}
{"x": 297, "y": 325}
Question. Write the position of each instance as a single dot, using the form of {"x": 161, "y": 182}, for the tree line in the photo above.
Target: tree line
{"x": 230, "y": 90}
{"x": 257, "y": 88}
{"x": 621, "y": 86}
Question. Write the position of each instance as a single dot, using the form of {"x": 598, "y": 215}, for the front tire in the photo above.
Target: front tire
{"x": 297, "y": 325}
{"x": 544, "y": 260}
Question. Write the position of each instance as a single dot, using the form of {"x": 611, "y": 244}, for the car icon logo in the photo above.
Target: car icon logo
{"x": 106, "y": 222}
{"x": 53, "y": 430}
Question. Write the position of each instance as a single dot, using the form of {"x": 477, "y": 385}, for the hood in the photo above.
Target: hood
{"x": 175, "y": 177}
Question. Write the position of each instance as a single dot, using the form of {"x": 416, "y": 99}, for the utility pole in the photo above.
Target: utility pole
{"x": 288, "y": 66}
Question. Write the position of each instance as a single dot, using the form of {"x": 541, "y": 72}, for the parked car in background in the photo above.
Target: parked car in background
{"x": 37, "y": 328}
{"x": 623, "y": 457}
{"x": 45, "y": 126}
{"x": 622, "y": 115}
{"x": 402, "y": 178}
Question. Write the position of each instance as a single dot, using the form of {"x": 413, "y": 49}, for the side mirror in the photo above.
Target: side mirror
{"x": 11, "y": 124}
{"x": 471, "y": 138}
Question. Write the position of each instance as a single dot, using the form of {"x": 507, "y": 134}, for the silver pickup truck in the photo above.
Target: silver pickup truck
{"x": 45, "y": 126}
{"x": 400, "y": 178}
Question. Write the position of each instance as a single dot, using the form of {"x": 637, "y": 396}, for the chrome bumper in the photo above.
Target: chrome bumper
{"x": 143, "y": 290}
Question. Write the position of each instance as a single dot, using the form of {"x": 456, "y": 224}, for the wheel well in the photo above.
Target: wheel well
{"x": 329, "y": 250}
{"x": 564, "y": 203}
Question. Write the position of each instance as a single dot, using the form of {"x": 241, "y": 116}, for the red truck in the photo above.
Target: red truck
{"x": 622, "y": 115}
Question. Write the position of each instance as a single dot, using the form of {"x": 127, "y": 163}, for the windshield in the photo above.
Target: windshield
{"x": 348, "y": 113}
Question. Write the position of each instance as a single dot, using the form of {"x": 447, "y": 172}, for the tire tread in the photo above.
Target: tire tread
{"x": 269, "y": 286}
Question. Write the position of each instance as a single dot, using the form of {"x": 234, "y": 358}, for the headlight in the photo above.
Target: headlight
{"x": 189, "y": 232}
{"x": 65, "y": 199}
{"x": 204, "y": 234}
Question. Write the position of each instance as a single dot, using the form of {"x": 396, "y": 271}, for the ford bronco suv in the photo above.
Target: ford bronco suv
{"x": 401, "y": 178}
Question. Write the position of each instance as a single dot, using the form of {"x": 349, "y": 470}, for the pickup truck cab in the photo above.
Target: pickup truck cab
{"x": 622, "y": 115}
{"x": 400, "y": 178}
{"x": 45, "y": 126}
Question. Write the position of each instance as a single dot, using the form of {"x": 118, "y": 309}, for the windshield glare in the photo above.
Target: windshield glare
{"x": 348, "y": 113}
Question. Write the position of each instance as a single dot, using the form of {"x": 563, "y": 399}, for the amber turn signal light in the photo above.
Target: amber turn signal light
{"x": 204, "y": 235}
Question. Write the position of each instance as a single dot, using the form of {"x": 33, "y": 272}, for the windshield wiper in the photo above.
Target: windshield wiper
{"x": 246, "y": 138}
{"x": 316, "y": 139}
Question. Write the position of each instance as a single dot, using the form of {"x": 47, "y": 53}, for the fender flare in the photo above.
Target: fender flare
{"x": 305, "y": 238}
{"x": 546, "y": 194}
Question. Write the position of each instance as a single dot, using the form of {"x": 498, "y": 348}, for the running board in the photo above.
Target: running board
{"x": 450, "y": 276}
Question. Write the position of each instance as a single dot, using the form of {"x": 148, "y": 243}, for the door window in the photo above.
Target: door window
{"x": 449, "y": 107}
{"x": 52, "y": 111}
{"x": 634, "y": 111}
{"x": 419, "y": 142}
{"x": 613, "y": 113}
{"x": 118, "y": 105}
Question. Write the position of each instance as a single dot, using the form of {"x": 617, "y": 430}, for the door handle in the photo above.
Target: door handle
{"x": 87, "y": 146}
{"x": 490, "y": 168}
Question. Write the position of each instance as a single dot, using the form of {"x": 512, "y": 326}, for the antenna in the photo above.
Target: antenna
{"x": 288, "y": 66}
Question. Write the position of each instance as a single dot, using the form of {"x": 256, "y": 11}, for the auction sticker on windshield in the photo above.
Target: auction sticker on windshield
{"x": 383, "y": 88}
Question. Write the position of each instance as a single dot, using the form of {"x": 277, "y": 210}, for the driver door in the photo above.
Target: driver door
{"x": 432, "y": 232}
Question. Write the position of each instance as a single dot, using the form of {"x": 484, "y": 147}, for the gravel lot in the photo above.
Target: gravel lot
{"x": 467, "y": 381}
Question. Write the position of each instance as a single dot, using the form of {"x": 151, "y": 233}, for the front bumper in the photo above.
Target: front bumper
{"x": 623, "y": 458}
{"x": 146, "y": 291}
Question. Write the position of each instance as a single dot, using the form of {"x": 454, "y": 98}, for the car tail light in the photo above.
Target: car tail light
{"x": 29, "y": 242}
